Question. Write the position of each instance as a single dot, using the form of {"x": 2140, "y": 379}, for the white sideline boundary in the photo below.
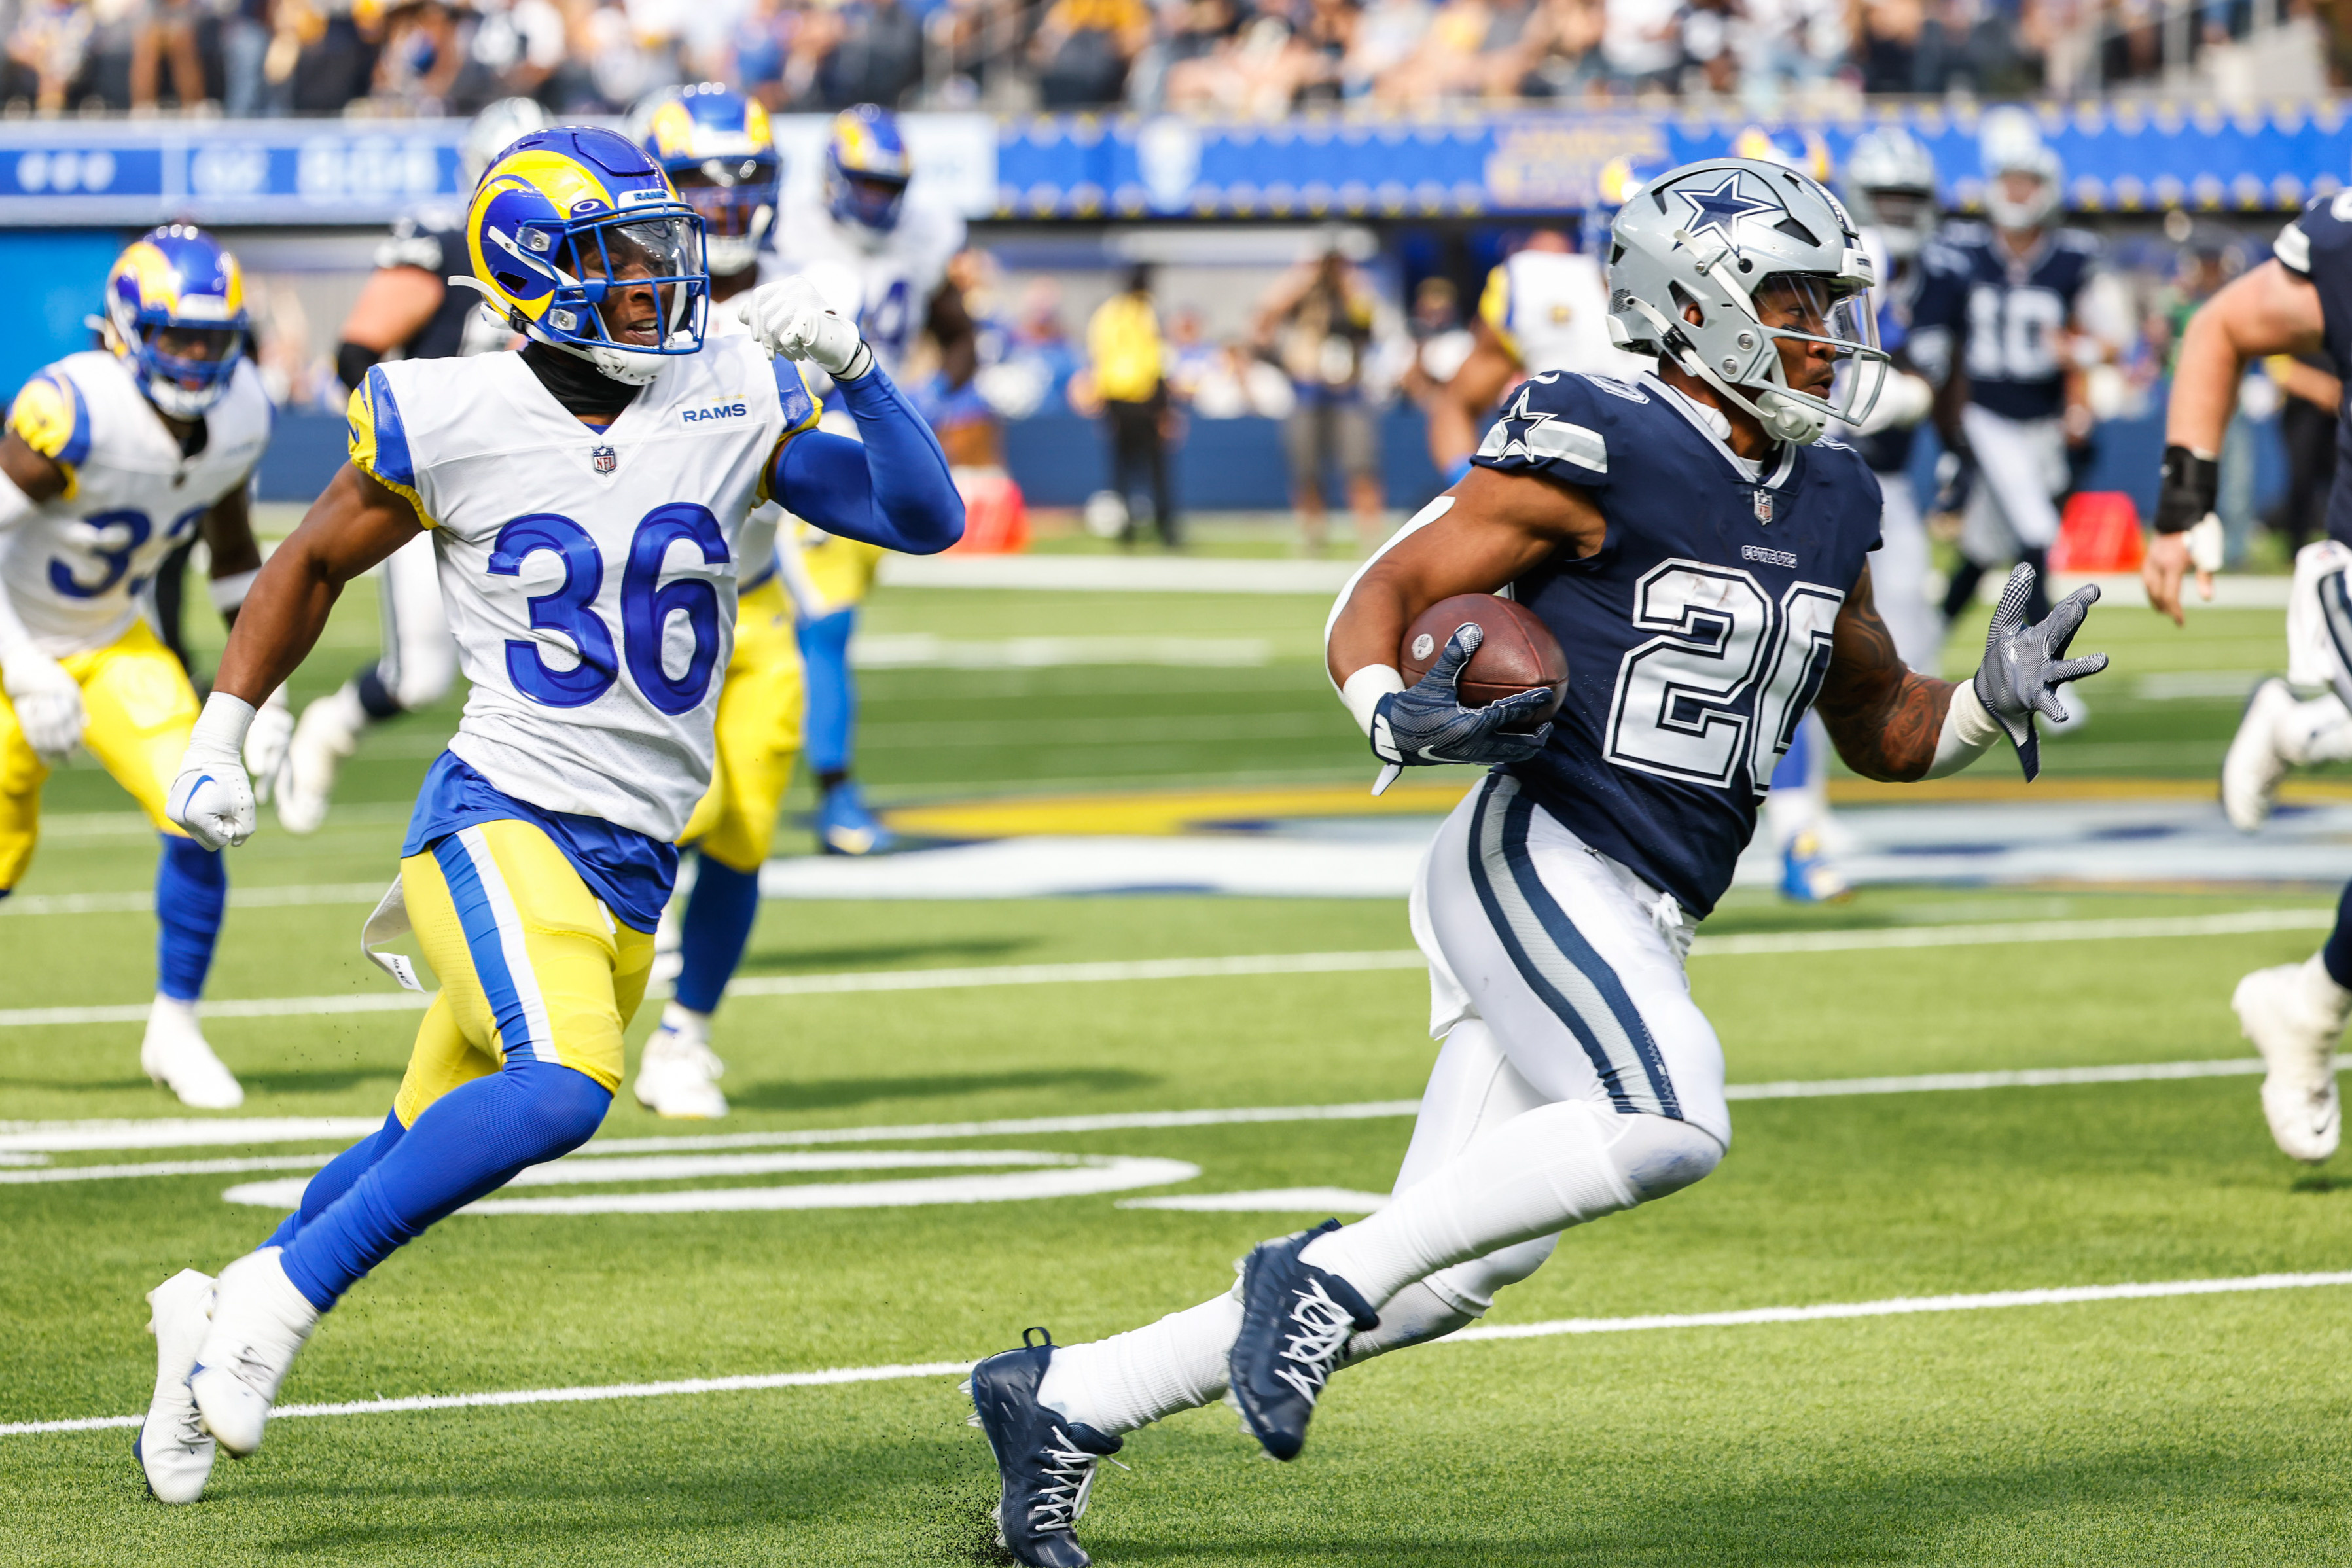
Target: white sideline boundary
{"x": 1825, "y": 1312}
{"x": 2239, "y": 924}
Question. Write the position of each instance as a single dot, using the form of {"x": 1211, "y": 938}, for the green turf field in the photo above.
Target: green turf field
{"x": 2178, "y": 1429}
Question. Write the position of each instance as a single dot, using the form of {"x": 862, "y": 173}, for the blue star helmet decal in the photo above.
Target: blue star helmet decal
{"x": 1721, "y": 208}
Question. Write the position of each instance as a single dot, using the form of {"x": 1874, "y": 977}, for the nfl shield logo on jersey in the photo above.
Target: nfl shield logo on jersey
{"x": 1763, "y": 498}
{"x": 607, "y": 459}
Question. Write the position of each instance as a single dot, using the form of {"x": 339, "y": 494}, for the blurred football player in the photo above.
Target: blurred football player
{"x": 2297, "y": 302}
{"x": 585, "y": 498}
{"x": 112, "y": 459}
{"x": 2002, "y": 306}
{"x": 718, "y": 150}
{"x": 407, "y": 309}
{"x": 880, "y": 256}
{"x": 1545, "y": 307}
{"x": 1656, "y": 528}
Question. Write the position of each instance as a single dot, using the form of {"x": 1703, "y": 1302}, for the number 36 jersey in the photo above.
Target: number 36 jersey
{"x": 589, "y": 576}
{"x": 76, "y": 567}
{"x": 1697, "y": 636}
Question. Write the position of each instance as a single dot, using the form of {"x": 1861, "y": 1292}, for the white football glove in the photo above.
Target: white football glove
{"x": 265, "y": 743}
{"x": 790, "y": 319}
{"x": 47, "y": 702}
{"x": 212, "y": 798}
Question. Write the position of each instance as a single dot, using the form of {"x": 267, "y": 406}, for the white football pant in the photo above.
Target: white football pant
{"x": 420, "y": 657}
{"x": 2020, "y": 466}
{"x": 1899, "y": 577}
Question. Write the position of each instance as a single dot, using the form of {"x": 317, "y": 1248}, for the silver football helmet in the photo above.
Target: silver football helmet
{"x": 1890, "y": 186}
{"x": 2012, "y": 147}
{"x": 1717, "y": 264}
{"x": 495, "y": 130}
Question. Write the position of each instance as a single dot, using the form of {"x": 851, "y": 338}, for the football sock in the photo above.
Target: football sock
{"x": 2319, "y": 731}
{"x": 720, "y": 913}
{"x": 370, "y": 696}
{"x": 190, "y": 892}
{"x": 1133, "y": 1379}
{"x": 469, "y": 1141}
{"x": 2335, "y": 956}
{"x": 1542, "y": 1170}
{"x": 832, "y": 696}
{"x": 336, "y": 1178}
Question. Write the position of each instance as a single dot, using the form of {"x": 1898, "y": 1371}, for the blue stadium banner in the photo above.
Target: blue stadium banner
{"x": 2119, "y": 158}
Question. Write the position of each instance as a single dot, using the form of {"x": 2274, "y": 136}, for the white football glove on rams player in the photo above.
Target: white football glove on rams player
{"x": 212, "y": 798}
{"x": 47, "y": 702}
{"x": 790, "y": 319}
{"x": 266, "y": 741}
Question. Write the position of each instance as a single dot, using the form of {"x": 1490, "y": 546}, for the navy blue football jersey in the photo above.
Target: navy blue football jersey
{"x": 1888, "y": 451}
{"x": 2000, "y": 321}
{"x": 2319, "y": 246}
{"x": 433, "y": 241}
{"x": 1698, "y": 634}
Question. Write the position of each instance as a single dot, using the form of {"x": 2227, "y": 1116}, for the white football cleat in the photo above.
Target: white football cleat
{"x": 259, "y": 1322}
{"x": 678, "y": 1076}
{"x": 176, "y": 1055}
{"x": 324, "y": 739}
{"x": 2295, "y": 1014}
{"x": 173, "y": 1446}
{"x": 2254, "y": 764}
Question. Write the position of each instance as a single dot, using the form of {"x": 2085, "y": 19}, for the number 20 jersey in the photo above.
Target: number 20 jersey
{"x": 76, "y": 567}
{"x": 1698, "y": 634}
{"x": 589, "y": 576}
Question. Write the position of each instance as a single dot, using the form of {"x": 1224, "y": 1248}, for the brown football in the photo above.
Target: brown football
{"x": 1519, "y": 654}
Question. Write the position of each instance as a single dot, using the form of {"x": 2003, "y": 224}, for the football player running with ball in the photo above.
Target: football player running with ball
{"x": 2298, "y": 302}
{"x": 585, "y": 498}
{"x": 1701, "y": 557}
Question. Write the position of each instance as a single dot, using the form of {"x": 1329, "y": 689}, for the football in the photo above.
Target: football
{"x": 1519, "y": 654}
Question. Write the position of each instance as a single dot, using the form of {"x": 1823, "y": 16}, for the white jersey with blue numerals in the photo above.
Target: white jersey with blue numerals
{"x": 589, "y": 575}
{"x": 75, "y": 568}
{"x": 894, "y": 273}
{"x": 1697, "y": 636}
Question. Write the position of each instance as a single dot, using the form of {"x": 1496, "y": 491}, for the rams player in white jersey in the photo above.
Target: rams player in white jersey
{"x": 112, "y": 459}
{"x": 1545, "y": 307}
{"x": 717, "y": 149}
{"x": 880, "y": 254}
{"x": 586, "y": 498}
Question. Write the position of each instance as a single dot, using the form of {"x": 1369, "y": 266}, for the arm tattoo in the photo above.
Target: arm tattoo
{"x": 1885, "y": 718}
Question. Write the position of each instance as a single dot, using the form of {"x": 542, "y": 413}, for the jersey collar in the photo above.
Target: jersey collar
{"x": 1711, "y": 424}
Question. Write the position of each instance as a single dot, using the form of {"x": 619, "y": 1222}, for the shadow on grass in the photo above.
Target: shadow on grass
{"x": 876, "y": 955}
{"x": 2321, "y": 1181}
{"x": 821, "y": 1094}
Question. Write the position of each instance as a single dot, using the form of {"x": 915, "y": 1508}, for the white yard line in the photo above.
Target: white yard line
{"x": 2242, "y": 922}
{"x": 142, "y": 899}
{"x": 1899, "y": 1306}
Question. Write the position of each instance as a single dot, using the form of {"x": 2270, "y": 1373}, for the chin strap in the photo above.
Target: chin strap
{"x": 1781, "y": 421}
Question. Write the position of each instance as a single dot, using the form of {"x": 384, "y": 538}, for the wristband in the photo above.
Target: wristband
{"x": 229, "y": 592}
{"x": 1970, "y": 730}
{"x": 2192, "y": 484}
{"x": 859, "y": 364}
{"x": 1362, "y": 692}
{"x": 221, "y": 727}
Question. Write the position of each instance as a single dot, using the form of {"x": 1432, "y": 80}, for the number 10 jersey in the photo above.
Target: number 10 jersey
{"x": 1698, "y": 634}
{"x": 589, "y": 575}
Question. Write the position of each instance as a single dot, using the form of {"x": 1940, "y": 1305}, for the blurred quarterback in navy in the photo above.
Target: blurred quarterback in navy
{"x": 586, "y": 498}
{"x": 2298, "y": 302}
{"x": 1702, "y": 556}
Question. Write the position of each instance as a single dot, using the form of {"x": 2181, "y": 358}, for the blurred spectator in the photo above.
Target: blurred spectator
{"x": 419, "y": 61}
{"x": 1190, "y": 356}
{"x": 1129, "y": 362}
{"x": 1785, "y": 43}
{"x": 1236, "y": 383}
{"x": 1641, "y": 44}
{"x": 1256, "y": 73}
{"x": 244, "y": 45}
{"x": 877, "y": 58}
{"x": 166, "y": 29}
{"x": 1083, "y": 50}
{"x": 1318, "y": 321}
{"x": 1038, "y": 364}
{"x": 47, "y": 51}
{"x": 1438, "y": 340}
{"x": 1388, "y": 33}
{"x": 515, "y": 49}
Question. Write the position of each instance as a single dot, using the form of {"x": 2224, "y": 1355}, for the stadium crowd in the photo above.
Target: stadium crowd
{"x": 1240, "y": 58}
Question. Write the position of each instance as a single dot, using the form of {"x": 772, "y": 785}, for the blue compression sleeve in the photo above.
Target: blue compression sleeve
{"x": 894, "y": 490}
{"x": 2336, "y": 956}
{"x": 190, "y": 892}
{"x": 719, "y": 914}
{"x": 469, "y": 1141}
{"x": 830, "y": 690}
{"x": 336, "y": 1179}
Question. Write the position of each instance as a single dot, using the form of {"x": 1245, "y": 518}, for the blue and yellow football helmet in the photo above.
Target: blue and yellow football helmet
{"x": 565, "y": 225}
{"x": 715, "y": 145}
{"x": 866, "y": 168}
{"x": 175, "y": 310}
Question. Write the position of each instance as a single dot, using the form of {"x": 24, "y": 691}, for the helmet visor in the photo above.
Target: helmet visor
{"x": 1827, "y": 335}
{"x": 642, "y": 280}
{"x": 728, "y": 193}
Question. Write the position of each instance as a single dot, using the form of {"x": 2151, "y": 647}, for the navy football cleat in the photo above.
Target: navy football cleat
{"x": 1047, "y": 1462}
{"x": 1296, "y": 1320}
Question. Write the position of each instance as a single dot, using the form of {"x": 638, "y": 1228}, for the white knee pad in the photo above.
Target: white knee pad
{"x": 1657, "y": 1156}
